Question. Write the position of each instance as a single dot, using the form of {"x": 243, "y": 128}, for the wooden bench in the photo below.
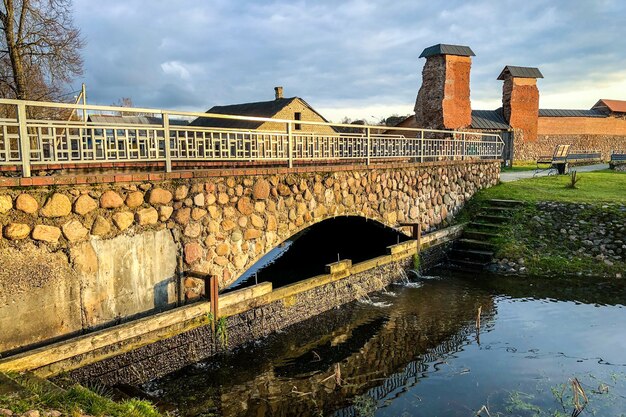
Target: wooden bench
{"x": 564, "y": 157}
{"x": 617, "y": 158}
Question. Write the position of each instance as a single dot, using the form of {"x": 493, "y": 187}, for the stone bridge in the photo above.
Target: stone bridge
{"x": 85, "y": 251}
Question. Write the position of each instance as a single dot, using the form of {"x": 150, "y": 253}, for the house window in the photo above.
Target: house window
{"x": 297, "y": 116}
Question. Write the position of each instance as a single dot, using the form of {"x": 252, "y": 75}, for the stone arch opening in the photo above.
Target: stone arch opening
{"x": 306, "y": 253}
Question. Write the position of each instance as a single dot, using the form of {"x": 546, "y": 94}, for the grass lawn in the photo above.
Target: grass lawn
{"x": 593, "y": 187}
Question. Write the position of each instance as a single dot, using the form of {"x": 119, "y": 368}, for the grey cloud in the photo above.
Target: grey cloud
{"x": 195, "y": 54}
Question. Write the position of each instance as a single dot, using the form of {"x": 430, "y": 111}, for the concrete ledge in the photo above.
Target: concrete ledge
{"x": 339, "y": 266}
{"x": 443, "y": 235}
{"x": 159, "y": 326}
{"x": 402, "y": 247}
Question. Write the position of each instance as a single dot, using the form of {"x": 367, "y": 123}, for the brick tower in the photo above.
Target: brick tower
{"x": 520, "y": 99}
{"x": 443, "y": 101}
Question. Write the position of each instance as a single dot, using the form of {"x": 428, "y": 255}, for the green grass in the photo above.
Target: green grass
{"x": 594, "y": 187}
{"x": 78, "y": 400}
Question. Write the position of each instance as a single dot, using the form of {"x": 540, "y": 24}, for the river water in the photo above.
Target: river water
{"x": 415, "y": 350}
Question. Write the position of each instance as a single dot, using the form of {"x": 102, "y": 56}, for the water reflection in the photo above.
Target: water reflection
{"x": 421, "y": 356}
{"x": 375, "y": 348}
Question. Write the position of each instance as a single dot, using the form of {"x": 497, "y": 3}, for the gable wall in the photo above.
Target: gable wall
{"x": 288, "y": 113}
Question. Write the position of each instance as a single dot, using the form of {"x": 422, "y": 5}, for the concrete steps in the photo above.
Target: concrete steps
{"x": 487, "y": 227}
{"x": 474, "y": 250}
{"x": 479, "y": 235}
{"x": 492, "y": 219}
{"x": 494, "y": 202}
{"x": 480, "y": 244}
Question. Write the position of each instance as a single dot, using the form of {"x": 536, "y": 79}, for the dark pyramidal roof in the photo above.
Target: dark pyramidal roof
{"x": 444, "y": 49}
{"x": 520, "y": 72}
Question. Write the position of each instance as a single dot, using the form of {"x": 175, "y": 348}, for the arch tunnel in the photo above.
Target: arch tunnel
{"x": 307, "y": 253}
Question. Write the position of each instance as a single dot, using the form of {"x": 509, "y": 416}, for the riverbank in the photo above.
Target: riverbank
{"x": 559, "y": 230}
{"x": 29, "y": 396}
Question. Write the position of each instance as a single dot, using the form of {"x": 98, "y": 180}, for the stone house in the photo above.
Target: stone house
{"x": 292, "y": 108}
{"x": 443, "y": 102}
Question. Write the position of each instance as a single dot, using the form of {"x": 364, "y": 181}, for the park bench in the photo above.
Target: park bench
{"x": 564, "y": 157}
{"x": 617, "y": 158}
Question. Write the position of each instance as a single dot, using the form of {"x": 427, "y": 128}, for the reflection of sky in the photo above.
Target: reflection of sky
{"x": 532, "y": 345}
{"x": 572, "y": 328}
{"x": 351, "y": 58}
{"x": 265, "y": 260}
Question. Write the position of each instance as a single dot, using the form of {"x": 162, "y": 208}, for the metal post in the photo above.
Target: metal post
{"x": 369, "y": 145}
{"x": 418, "y": 231}
{"x": 213, "y": 290}
{"x": 168, "y": 147}
{"x": 464, "y": 147}
{"x": 24, "y": 139}
{"x": 83, "y": 93}
{"x": 422, "y": 146}
{"x": 289, "y": 145}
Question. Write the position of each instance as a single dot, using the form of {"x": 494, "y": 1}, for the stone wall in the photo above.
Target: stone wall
{"x": 169, "y": 355}
{"x": 545, "y": 144}
{"x": 136, "y": 237}
{"x": 592, "y": 238}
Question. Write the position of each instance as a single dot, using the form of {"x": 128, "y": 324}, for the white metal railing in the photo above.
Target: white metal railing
{"x": 29, "y": 142}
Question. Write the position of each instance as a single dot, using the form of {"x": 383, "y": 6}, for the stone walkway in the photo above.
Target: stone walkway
{"x": 520, "y": 175}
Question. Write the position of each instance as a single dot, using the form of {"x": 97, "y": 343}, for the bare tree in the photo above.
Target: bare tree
{"x": 39, "y": 49}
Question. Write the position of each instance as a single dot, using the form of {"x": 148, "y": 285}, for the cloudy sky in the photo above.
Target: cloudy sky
{"x": 351, "y": 58}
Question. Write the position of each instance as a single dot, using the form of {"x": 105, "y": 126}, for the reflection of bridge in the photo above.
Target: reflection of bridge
{"x": 424, "y": 327}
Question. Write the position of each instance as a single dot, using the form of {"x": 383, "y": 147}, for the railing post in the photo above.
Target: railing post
{"x": 369, "y": 146}
{"x": 214, "y": 297}
{"x": 168, "y": 147}
{"x": 464, "y": 147}
{"x": 417, "y": 234}
{"x": 24, "y": 139}
{"x": 422, "y": 146}
{"x": 290, "y": 144}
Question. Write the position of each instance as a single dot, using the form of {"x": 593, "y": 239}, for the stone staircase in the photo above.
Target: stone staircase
{"x": 474, "y": 250}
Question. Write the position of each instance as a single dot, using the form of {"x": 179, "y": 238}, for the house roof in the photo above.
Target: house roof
{"x": 265, "y": 109}
{"x": 570, "y": 113}
{"x": 444, "y": 49}
{"x": 489, "y": 119}
{"x": 133, "y": 120}
{"x": 520, "y": 72}
{"x": 614, "y": 106}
